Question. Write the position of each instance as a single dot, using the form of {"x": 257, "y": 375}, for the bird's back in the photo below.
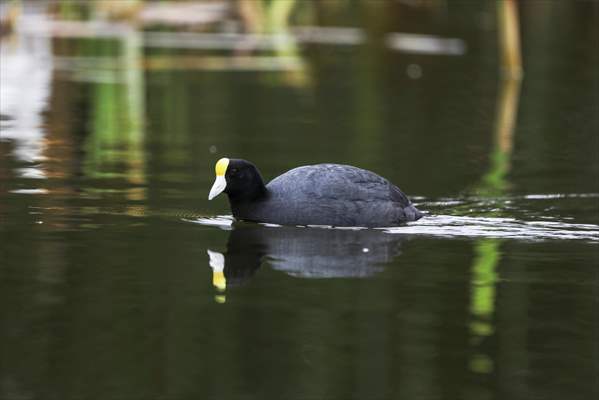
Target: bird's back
{"x": 337, "y": 182}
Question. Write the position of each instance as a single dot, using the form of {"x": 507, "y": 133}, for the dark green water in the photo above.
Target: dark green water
{"x": 106, "y": 286}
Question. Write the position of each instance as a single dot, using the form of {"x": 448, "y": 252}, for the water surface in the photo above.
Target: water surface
{"x": 120, "y": 280}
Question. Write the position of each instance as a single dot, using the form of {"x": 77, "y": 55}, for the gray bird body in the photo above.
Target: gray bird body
{"x": 329, "y": 194}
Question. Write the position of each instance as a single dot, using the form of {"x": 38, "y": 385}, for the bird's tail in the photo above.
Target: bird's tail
{"x": 412, "y": 213}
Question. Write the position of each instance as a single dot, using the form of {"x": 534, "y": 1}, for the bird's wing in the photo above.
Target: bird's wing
{"x": 338, "y": 182}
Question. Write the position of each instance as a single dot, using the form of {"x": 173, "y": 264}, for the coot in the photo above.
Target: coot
{"x": 323, "y": 194}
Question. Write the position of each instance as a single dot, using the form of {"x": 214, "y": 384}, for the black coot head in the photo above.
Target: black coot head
{"x": 240, "y": 179}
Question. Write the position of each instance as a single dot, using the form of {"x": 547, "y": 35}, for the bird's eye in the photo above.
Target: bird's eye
{"x": 234, "y": 171}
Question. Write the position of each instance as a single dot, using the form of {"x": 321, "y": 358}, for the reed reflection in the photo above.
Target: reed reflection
{"x": 302, "y": 252}
{"x": 495, "y": 183}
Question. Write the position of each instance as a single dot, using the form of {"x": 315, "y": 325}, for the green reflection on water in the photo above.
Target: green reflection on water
{"x": 494, "y": 183}
{"x": 117, "y": 130}
{"x": 485, "y": 277}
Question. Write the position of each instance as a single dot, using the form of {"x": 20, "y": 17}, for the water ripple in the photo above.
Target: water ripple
{"x": 496, "y": 227}
{"x": 461, "y": 226}
{"x": 224, "y": 222}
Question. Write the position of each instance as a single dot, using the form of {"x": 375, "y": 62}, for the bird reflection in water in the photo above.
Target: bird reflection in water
{"x": 301, "y": 252}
